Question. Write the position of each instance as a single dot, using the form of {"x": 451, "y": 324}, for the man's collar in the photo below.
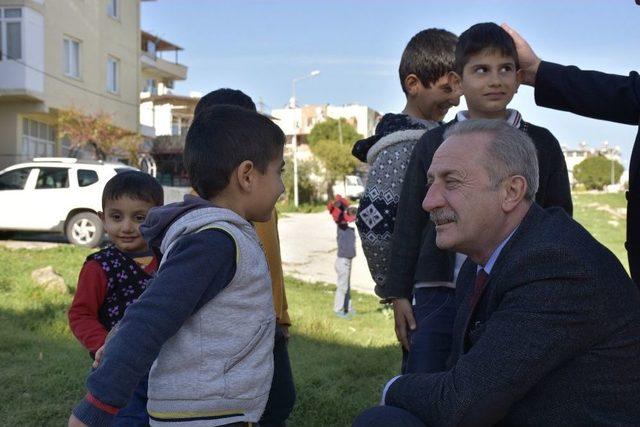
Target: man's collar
{"x": 496, "y": 253}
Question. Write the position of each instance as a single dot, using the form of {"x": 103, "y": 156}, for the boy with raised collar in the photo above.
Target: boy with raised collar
{"x": 487, "y": 72}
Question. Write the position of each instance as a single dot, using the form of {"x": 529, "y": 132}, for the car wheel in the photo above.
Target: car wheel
{"x": 84, "y": 229}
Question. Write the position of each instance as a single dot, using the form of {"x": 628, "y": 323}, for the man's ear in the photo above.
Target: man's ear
{"x": 455, "y": 81}
{"x": 412, "y": 84}
{"x": 514, "y": 187}
{"x": 245, "y": 175}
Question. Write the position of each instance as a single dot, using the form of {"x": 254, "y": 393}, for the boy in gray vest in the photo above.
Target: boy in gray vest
{"x": 206, "y": 326}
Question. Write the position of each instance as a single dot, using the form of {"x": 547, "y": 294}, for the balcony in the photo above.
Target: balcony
{"x": 153, "y": 62}
{"x": 162, "y": 69}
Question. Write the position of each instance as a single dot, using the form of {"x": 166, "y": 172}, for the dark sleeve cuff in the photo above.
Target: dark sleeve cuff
{"x": 544, "y": 92}
{"x": 92, "y": 415}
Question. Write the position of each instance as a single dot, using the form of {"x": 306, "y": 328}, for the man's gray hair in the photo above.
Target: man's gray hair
{"x": 510, "y": 151}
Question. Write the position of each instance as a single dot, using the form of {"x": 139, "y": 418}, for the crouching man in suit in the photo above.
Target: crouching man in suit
{"x": 548, "y": 323}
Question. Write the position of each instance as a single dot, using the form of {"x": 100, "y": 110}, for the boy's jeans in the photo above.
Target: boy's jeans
{"x": 430, "y": 342}
{"x": 342, "y": 300}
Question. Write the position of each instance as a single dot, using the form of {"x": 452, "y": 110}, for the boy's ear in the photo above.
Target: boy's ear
{"x": 455, "y": 81}
{"x": 519, "y": 78}
{"x": 245, "y": 174}
{"x": 101, "y": 216}
{"x": 412, "y": 84}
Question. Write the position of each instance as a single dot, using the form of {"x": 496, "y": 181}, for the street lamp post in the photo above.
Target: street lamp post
{"x": 294, "y": 139}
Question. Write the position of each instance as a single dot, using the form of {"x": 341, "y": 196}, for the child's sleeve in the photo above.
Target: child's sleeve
{"x": 83, "y": 313}
{"x": 197, "y": 268}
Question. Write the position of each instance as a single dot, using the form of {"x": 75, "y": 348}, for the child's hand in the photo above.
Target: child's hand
{"x": 98, "y": 357}
{"x": 75, "y": 422}
{"x": 285, "y": 332}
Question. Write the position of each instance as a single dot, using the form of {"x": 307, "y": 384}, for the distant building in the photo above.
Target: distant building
{"x": 574, "y": 156}
{"x": 300, "y": 120}
{"x": 64, "y": 54}
{"x": 165, "y": 117}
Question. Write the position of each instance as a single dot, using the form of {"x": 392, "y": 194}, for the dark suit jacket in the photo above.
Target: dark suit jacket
{"x": 556, "y": 340}
{"x": 607, "y": 97}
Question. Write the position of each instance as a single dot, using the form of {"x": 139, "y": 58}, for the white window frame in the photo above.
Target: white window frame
{"x": 38, "y": 139}
{"x": 4, "y": 48}
{"x": 67, "y": 44}
{"x": 113, "y": 77}
{"x": 113, "y": 9}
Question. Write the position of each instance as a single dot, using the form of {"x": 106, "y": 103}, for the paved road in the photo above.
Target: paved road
{"x": 308, "y": 246}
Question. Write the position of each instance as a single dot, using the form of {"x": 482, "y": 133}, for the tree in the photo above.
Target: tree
{"x": 595, "y": 172}
{"x": 99, "y": 132}
{"x": 331, "y": 142}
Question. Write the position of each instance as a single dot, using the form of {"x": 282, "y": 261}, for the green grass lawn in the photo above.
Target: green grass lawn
{"x": 339, "y": 365}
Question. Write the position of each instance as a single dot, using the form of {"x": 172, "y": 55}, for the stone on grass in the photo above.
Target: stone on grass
{"x": 48, "y": 279}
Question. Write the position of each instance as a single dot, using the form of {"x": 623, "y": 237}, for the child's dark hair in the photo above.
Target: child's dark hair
{"x": 134, "y": 184}
{"x": 429, "y": 55}
{"x": 223, "y": 136}
{"x": 224, "y": 96}
{"x": 485, "y": 36}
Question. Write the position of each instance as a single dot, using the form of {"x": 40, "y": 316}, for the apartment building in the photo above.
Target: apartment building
{"x": 164, "y": 116}
{"x": 59, "y": 54}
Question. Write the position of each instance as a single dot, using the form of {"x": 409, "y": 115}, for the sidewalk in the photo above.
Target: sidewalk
{"x": 308, "y": 247}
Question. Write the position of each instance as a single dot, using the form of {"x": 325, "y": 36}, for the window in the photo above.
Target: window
{"x": 151, "y": 48}
{"x": 112, "y": 74}
{"x": 86, "y": 177}
{"x": 112, "y": 8}
{"x": 38, "y": 139}
{"x": 15, "y": 179}
{"x": 151, "y": 87}
{"x": 72, "y": 57}
{"x": 11, "y": 33}
{"x": 52, "y": 178}
{"x": 175, "y": 125}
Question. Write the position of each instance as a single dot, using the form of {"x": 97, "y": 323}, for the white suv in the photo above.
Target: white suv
{"x": 56, "y": 194}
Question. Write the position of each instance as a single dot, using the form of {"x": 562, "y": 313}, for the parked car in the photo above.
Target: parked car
{"x": 56, "y": 194}
{"x": 350, "y": 187}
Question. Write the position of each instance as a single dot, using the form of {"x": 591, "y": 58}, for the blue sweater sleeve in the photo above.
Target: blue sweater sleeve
{"x": 197, "y": 268}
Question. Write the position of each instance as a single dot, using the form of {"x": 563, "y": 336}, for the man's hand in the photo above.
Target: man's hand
{"x": 403, "y": 315}
{"x": 75, "y": 422}
{"x": 529, "y": 61}
{"x": 98, "y": 356}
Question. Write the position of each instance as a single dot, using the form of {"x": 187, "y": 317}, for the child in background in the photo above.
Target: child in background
{"x": 206, "y": 326}
{"x": 424, "y": 67}
{"x": 342, "y": 215}
{"x": 113, "y": 278}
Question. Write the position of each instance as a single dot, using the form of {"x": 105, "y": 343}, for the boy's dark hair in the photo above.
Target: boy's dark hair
{"x": 224, "y": 96}
{"x": 429, "y": 55}
{"x": 223, "y": 136}
{"x": 479, "y": 37}
{"x": 134, "y": 184}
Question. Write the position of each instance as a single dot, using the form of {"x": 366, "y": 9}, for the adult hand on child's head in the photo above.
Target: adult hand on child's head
{"x": 404, "y": 320}
{"x": 529, "y": 61}
{"x": 98, "y": 357}
{"x": 75, "y": 422}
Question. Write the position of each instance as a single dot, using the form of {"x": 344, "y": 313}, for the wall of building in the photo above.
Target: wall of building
{"x": 101, "y": 36}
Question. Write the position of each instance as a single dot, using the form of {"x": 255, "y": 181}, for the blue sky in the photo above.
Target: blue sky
{"x": 259, "y": 46}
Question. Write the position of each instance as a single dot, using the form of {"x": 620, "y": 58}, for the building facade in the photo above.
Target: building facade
{"x": 60, "y": 54}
